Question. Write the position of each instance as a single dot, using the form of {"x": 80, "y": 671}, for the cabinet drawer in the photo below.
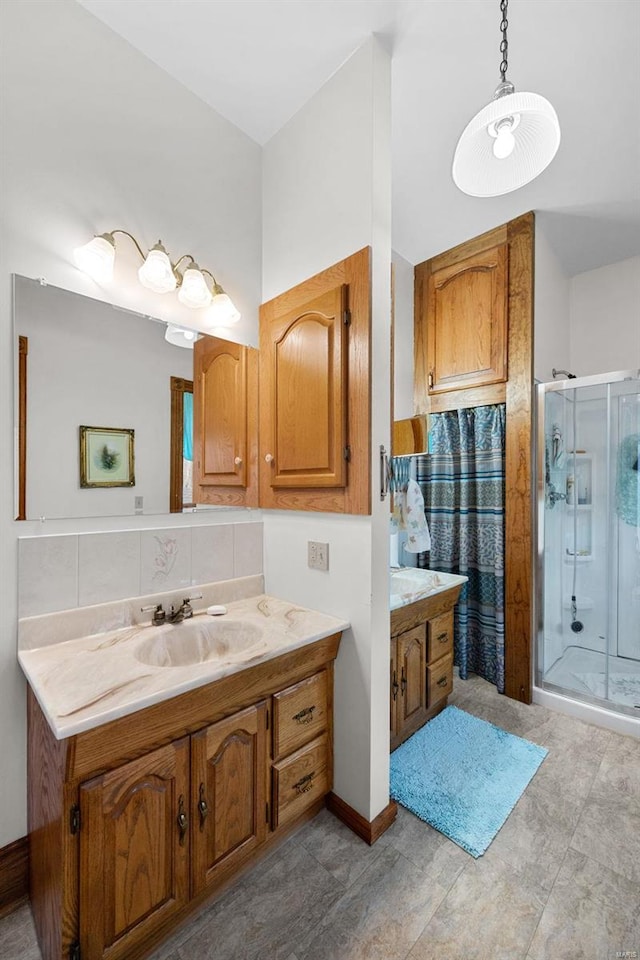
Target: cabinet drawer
{"x": 439, "y": 680}
{"x": 299, "y": 714}
{"x": 440, "y": 637}
{"x": 299, "y": 781}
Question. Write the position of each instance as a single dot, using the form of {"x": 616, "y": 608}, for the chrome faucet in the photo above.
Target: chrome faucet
{"x": 184, "y": 612}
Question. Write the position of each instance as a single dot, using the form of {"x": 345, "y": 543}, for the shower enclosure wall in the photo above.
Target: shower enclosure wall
{"x": 588, "y": 578}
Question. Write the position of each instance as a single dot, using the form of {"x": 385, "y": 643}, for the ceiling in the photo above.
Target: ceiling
{"x": 258, "y": 61}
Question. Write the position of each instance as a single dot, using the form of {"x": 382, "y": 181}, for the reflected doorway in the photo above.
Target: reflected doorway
{"x": 181, "y": 467}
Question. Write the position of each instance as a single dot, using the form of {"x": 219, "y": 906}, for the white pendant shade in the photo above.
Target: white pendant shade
{"x": 506, "y": 145}
{"x": 156, "y": 273}
{"x": 194, "y": 291}
{"x": 180, "y": 336}
{"x": 223, "y": 312}
{"x": 97, "y": 258}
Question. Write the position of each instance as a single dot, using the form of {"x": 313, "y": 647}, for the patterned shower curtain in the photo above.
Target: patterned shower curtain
{"x": 462, "y": 481}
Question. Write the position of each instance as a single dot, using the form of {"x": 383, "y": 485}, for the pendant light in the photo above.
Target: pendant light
{"x": 510, "y": 141}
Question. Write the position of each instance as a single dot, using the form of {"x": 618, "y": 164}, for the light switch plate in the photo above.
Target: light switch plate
{"x": 318, "y": 555}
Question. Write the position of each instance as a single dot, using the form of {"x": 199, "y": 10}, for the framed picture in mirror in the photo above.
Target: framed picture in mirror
{"x": 106, "y": 457}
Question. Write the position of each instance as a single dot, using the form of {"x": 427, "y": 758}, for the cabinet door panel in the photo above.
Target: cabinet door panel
{"x": 413, "y": 677}
{"x": 467, "y": 322}
{"x": 229, "y": 777}
{"x": 304, "y": 375}
{"x": 134, "y": 871}
{"x": 224, "y": 422}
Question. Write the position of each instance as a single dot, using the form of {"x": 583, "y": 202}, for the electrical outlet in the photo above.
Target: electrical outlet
{"x": 318, "y": 555}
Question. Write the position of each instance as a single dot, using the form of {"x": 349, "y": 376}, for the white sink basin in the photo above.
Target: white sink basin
{"x": 200, "y": 641}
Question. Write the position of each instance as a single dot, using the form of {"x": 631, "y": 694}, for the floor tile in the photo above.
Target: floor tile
{"x": 18, "y": 936}
{"x": 380, "y": 916}
{"x": 490, "y": 913}
{"x": 609, "y": 831}
{"x": 268, "y": 912}
{"x": 537, "y": 833}
{"x": 343, "y": 854}
{"x": 425, "y": 847}
{"x": 591, "y": 913}
{"x": 619, "y": 772}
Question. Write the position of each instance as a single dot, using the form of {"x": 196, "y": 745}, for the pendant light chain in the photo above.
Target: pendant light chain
{"x": 504, "y": 44}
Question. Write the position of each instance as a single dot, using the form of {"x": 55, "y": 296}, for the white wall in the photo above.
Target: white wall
{"x": 327, "y": 194}
{"x": 605, "y": 318}
{"x": 551, "y": 307}
{"x": 95, "y": 137}
{"x": 403, "y": 339}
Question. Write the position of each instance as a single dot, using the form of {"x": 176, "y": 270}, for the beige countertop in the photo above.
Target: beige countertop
{"x": 409, "y": 584}
{"x": 86, "y": 682}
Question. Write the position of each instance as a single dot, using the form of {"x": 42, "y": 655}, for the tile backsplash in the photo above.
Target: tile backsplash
{"x": 78, "y": 570}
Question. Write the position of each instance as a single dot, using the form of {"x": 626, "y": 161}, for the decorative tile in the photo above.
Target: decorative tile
{"x": 165, "y": 559}
{"x": 47, "y": 574}
{"x": 592, "y": 912}
{"x": 212, "y": 553}
{"x": 108, "y": 567}
{"x": 248, "y": 549}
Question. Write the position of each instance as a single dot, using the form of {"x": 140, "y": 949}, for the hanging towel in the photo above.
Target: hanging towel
{"x": 415, "y": 521}
{"x": 628, "y": 480}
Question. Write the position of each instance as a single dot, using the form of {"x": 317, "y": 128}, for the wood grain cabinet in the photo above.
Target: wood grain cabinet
{"x": 465, "y": 320}
{"x": 135, "y": 824}
{"x": 421, "y": 662}
{"x": 225, "y": 423}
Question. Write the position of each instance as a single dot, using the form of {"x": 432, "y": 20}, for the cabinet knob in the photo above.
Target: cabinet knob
{"x": 203, "y": 808}
{"x": 237, "y": 461}
{"x": 268, "y": 458}
{"x": 182, "y": 821}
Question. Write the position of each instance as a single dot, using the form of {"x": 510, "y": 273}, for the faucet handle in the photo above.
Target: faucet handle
{"x": 158, "y": 613}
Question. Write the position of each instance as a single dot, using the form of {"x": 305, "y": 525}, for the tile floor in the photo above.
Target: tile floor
{"x": 561, "y": 879}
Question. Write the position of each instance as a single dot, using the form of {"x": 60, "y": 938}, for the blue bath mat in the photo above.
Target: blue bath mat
{"x": 463, "y": 776}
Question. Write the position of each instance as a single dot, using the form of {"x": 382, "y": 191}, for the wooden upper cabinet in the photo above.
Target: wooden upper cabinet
{"x": 466, "y": 321}
{"x": 315, "y": 392}
{"x": 225, "y": 398}
{"x": 305, "y": 366}
{"x": 134, "y": 851}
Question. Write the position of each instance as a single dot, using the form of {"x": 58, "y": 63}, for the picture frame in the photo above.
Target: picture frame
{"x": 106, "y": 457}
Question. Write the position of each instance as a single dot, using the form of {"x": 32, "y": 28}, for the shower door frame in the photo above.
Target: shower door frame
{"x": 560, "y": 386}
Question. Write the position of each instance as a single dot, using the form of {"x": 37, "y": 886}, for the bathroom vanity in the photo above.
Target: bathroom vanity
{"x": 196, "y": 754}
{"x": 422, "y": 603}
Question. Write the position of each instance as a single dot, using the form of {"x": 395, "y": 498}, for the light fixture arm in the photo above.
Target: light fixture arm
{"x": 174, "y": 266}
{"x": 216, "y": 286}
{"x": 112, "y": 233}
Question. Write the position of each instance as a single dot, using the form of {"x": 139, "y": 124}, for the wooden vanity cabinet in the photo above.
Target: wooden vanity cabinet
{"x": 421, "y": 662}
{"x": 135, "y": 824}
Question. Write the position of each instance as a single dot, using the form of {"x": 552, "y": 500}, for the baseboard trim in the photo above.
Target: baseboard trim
{"x": 368, "y": 830}
{"x": 14, "y": 875}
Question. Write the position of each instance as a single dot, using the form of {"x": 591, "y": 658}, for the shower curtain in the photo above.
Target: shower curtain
{"x": 462, "y": 481}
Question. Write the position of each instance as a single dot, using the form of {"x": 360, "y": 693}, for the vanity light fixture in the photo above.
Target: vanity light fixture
{"x": 510, "y": 141}
{"x": 159, "y": 274}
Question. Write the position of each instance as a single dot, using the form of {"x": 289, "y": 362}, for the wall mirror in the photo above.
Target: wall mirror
{"x": 83, "y": 362}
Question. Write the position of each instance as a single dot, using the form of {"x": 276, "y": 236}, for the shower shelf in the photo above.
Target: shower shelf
{"x": 581, "y": 558}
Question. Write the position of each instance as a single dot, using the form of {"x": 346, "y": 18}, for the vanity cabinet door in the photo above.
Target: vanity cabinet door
{"x": 228, "y": 794}
{"x": 412, "y": 669}
{"x": 134, "y": 852}
{"x": 225, "y": 423}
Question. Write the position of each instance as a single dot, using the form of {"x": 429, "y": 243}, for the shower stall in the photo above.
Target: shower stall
{"x": 588, "y": 574}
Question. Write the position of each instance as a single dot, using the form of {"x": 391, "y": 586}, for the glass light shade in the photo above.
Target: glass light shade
{"x": 156, "y": 273}
{"x": 97, "y": 258}
{"x": 477, "y": 170}
{"x": 194, "y": 291}
{"x": 180, "y": 336}
{"x": 223, "y": 312}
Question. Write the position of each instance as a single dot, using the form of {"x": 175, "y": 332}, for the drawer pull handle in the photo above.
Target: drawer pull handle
{"x": 443, "y": 637}
{"x": 304, "y": 784}
{"x": 203, "y": 807}
{"x": 442, "y": 682}
{"x": 182, "y": 820}
{"x": 305, "y": 715}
